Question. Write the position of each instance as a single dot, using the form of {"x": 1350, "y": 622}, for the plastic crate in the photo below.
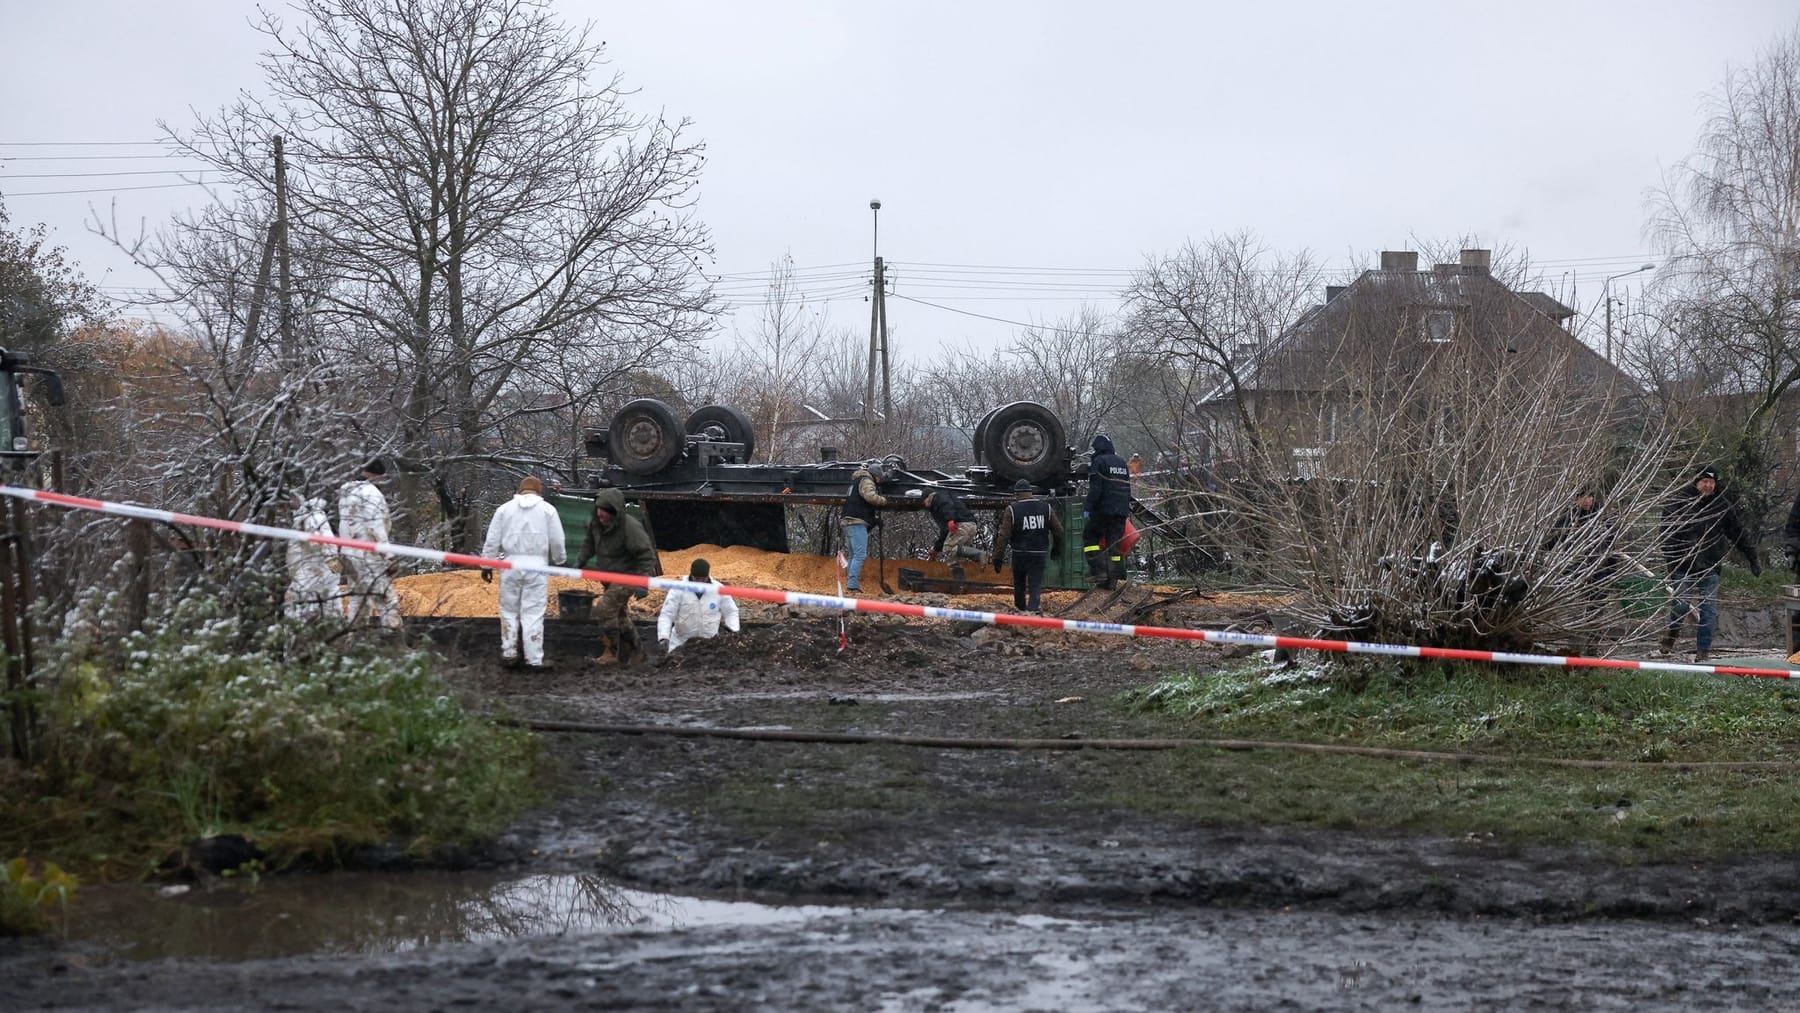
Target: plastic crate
{"x": 1641, "y": 597}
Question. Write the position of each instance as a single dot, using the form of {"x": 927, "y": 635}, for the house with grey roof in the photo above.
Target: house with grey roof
{"x": 1388, "y": 342}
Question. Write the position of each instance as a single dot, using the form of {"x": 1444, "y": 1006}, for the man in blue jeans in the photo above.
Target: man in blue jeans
{"x": 862, "y": 514}
{"x": 1699, "y": 527}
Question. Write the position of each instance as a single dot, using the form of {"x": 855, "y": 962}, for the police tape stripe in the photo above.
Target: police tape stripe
{"x": 835, "y": 602}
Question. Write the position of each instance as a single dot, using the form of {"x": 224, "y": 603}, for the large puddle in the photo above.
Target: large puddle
{"x": 377, "y": 913}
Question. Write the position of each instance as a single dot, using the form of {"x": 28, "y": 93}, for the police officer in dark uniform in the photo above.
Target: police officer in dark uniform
{"x": 1108, "y": 505}
{"x": 1031, "y": 527}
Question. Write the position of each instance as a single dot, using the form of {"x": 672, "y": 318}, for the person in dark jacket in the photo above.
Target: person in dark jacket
{"x": 1031, "y": 529}
{"x": 1108, "y": 505}
{"x": 617, "y": 543}
{"x": 1587, "y": 557}
{"x": 956, "y": 530}
{"x": 862, "y": 515}
{"x": 1699, "y": 527}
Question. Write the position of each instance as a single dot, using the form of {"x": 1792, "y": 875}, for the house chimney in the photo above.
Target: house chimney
{"x": 1399, "y": 260}
{"x": 1477, "y": 261}
{"x": 1333, "y": 291}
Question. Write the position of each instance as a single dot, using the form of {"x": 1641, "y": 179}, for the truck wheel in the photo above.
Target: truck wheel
{"x": 723, "y": 424}
{"x": 981, "y": 434}
{"x": 1024, "y": 440}
{"x": 645, "y": 436}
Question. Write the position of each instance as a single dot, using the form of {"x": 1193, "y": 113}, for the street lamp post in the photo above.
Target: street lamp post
{"x": 1606, "y": 292}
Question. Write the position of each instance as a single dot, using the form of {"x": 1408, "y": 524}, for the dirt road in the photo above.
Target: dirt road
{"x": 972, "y": 879}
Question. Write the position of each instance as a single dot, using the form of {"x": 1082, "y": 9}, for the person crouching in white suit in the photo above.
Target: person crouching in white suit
{"x": 524, "y": 530}
{"x": 688, "y": 616}
{"x": 312, "y": 586}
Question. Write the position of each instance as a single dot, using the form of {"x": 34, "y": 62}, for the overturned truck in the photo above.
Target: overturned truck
{"x": 694, "y": 481}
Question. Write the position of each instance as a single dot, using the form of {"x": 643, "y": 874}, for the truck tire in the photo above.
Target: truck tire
{"x": 1024, "y": 440}
{"x": 723, "y": 424}
{"x": 981, "y": 433}
{"x": 645, "y": 436}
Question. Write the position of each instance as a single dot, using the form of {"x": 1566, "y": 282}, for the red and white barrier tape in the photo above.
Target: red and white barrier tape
{"x": 824, "y": 601}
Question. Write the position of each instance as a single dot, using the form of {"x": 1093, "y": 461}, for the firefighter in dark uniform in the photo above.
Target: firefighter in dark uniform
{"x": 1108, "y": 504}
{"x": 1031, "y": 528}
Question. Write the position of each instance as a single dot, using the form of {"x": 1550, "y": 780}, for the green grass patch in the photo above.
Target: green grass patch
{"x": 1646, "y": 812}
{"x": 1736, "y": 581}
{"x": 1565, "y": 712}
{"x": 1632, "y": 815}
{"x": 209, "y": 725}
{"x": 33, "y": 900}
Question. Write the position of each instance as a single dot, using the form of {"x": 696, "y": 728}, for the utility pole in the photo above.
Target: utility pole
{"x": 1609, "y": 302}
{"x": 247, "y": 354}
{"x": 878, "y": 334}
{"x": 281, "y": 233}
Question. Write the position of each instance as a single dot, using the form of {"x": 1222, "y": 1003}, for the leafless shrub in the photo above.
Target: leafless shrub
{"x": 1424, "y": 495}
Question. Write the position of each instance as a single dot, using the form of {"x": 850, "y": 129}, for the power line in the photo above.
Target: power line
{"x": 1013, "y": 298}
{"x": 102, "y": 189}
{"x": 791, "y": 270}
{"x": 1576, "y": 261}
{"x": 87, "y": 158}
{"x": 78, "y": 144}
{"x": 1014, "y": 267}
{"x": 1014, "y": 286}
{"x": 121, "y": 172}
{"x": 984, "y": 316}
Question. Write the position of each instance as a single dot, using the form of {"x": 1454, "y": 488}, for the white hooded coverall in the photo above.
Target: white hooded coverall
{"x": 363, "y": 514}
{"x": 312, "y": 588}
{"x": 688, "y": 616}
{"x": 524, "y": 530}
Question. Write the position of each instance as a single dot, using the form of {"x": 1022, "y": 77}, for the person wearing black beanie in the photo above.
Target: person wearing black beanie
{"x": 1700, "y": 526}
{"x": 1108, "y": 506}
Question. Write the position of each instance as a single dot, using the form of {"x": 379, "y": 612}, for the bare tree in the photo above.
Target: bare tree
{"x": 777, "y": 362}
{"x": 488, "y": 230}
{"x": 1071, "y": 365}
{"x": 1207, "y": 311}
{"x": 1413, "y": 494}
{"x": 1729, "y": 220}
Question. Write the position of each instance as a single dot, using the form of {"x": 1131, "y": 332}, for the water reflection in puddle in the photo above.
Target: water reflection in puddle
{"x": 372, "y": 913}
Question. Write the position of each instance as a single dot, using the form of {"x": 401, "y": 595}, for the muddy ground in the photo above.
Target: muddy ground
{"x": 971, "y": 879}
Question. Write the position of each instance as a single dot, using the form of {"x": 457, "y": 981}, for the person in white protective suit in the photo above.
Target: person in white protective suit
{"x": 363, "y": 515}
{"x": 689, "y": 616}
{"x": 312, "y": 585}
{"x": 524, "y": 530}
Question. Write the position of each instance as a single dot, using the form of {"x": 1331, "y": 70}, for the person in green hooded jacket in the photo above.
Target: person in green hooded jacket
{"x": 617, "y": 543}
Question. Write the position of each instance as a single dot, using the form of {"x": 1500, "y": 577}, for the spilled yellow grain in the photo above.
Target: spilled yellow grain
{"x": 461, "y": 593}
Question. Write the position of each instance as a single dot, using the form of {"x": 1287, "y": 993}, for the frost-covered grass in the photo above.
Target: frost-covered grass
{"x": 305, "y": 743}
{"x": 1640, "y": 811}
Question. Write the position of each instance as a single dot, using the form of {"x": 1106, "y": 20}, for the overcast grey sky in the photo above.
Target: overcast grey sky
{"x": 1049, "y": 138}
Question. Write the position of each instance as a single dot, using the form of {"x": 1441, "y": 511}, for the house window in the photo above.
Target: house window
{"x": 1437, "y": 325}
